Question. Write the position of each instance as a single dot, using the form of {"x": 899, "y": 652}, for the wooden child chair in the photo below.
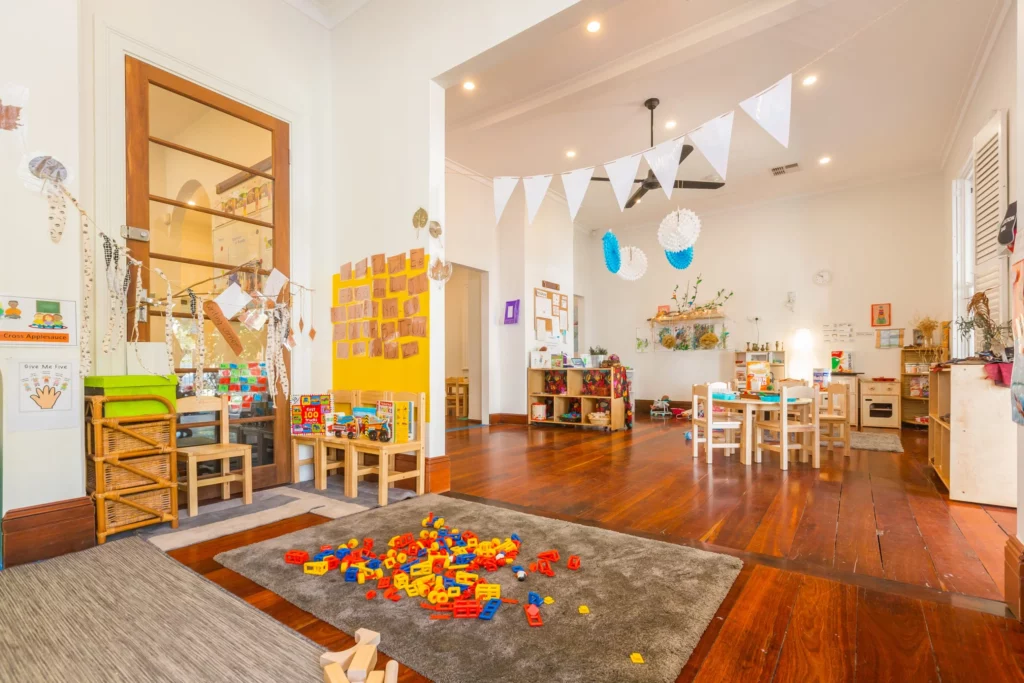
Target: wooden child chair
{"x": 331, "y": 445}
{"x": 704, "y": 416}
{"x": 835, "y": 415}
{"x": 385, "y": 466}
{"x": 223, "y": 451}
{"x": 783, "y": 424}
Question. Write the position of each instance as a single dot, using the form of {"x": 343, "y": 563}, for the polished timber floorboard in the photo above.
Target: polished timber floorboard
{"x": 822, "y": 595}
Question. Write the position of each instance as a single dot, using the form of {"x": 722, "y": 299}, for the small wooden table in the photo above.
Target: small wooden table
{"x": 748, "y": 407}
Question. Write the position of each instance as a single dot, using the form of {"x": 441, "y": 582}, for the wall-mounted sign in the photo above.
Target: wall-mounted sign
{"x": 34, "y": 321}
{"x": 512, "y": 312}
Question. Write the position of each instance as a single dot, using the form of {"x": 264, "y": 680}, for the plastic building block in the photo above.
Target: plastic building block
{"x": 534, "y": 598}
{"x": 296, "y": 557}
{"x": 332, "y": 562}
{"x": 548, "y": 600}
{"x": 573, "y": 563}
{"x": 352, "y": 574}
{"x": 466, "y": 609}
{"x": 584, "y": 609}
{"x": 490, "y": 609}
{"x": 636, "y": 658}
{"x": 549, "y": 555}
{"x": 384, "y": 583}
{"x": 515, "y": 537}
{"x": 315, "y": 568}
{"x": 327, "y": 547}
{"x": 533, "y": 618}
{"x": 544, "y": 567}
{"x": 370, "y": 595}
{"x": 488, "y": 591}
{"x": 437, "y": 617}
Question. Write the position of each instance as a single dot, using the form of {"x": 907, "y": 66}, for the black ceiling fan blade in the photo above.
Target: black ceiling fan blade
{"x": 687, "y": 151}
{"x": 641, "y": 191}
{"x": 697, "y": 185}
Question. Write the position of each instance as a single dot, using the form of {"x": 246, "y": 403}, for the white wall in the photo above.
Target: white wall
{"x": 582, "y": 278}
{"x": 882, "y": 243}
{"x": 40, "y": 467}
{"x": 1017, "y": 186}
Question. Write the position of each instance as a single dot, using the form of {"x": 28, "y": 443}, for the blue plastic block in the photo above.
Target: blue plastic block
{"x": 517, "y": 568}
{"x": 490, "y": 609}
{"x": 514, "y": 537}
{"x": 319, "y": 557}
{"x": 373, "y": 564}
{"x": 405, "y": 567}
{"x": 535, "y": 599}
{"x": 467, "y": 558}
{"x": 342, "y": 553}
{"x": 448, "y": 583}
{"x": 352, "y": 574}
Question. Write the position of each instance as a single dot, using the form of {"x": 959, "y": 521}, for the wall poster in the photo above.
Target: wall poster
{"x": 33, "y": 321}
{"x": 48, "y": 396}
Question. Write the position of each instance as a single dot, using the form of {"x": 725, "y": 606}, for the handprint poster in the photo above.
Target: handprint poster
{"x": 46, "y": 396}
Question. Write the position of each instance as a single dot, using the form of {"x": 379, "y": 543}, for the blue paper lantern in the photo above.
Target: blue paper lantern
{"x": 612, "y": 257}
{"x": 680, "y": 260}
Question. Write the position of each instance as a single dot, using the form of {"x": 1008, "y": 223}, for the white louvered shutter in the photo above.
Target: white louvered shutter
{"x": 991, "y": 262}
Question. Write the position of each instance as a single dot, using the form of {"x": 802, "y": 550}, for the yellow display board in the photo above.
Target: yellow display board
{"x": 380, "y": 311}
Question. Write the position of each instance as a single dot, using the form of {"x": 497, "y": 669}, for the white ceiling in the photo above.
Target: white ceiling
{"x": 886, "y": 104}
{"x": 329, "y": 13}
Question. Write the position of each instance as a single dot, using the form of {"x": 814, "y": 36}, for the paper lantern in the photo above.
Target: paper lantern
{"x": 679, "y": 230}
{"x": 680, "y": 260}
{"x": 612, "y": 258}
{"x": 634, "y": 263}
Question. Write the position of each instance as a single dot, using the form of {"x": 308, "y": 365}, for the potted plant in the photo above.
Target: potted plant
{"x": 995, "y": 337}
{"x": 597, "y": 355}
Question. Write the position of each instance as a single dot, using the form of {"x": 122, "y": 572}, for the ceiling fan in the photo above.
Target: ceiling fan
{"x": 651, "y": 181}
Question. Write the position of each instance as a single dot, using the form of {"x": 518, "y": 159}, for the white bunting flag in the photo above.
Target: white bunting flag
{"x": 576, "y": 184}
{"x": 622, "y": 173}
{"x": 713, "y": 139}
{"x": 536, "y": 188}
{"x": 664, "y": 161}
{"x": 771, "y": 108}
{"x": 503, "y": 188}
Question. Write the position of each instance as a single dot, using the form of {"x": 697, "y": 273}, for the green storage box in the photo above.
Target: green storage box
{"x": 133, "y": 385}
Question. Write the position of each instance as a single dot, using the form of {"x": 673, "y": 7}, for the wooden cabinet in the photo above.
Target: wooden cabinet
{"x": 587, "y": 390}
{"x": 972, "y": 441}
{"x": 915, "y": 384}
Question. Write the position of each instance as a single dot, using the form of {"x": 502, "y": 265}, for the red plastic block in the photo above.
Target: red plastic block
{"x": 367, "y": 544}
{"x": 439, "y": 616}
{"x": 370, "y": 595}
{"x": 326, "y": 547}
{"x": 466, "y": 535}
{"x": 384, "y": 582}
{"x": 573, "y": 562}
{"x": 467, "y": 609}
{"x": 550, "y": 555}
{"x": 533, "y": 618}
{"x": 296, "y": 557}
{"x": 533, "y": 566}
{"x": 392, "y": 595}
{"x": 544, "y": 567}
{"x": 511, "y": 601}
{"x": 332, "y": 562}
{"x": 438, "y": 567}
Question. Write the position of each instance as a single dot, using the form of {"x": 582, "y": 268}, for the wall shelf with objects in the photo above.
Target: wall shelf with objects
{"x": 775, "y": 359}
{"x": 972, "y": 440}
{"x": 581, "y": 397}
{"x": 915, "y": 384}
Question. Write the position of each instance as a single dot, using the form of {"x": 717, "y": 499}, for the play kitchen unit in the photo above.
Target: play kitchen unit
{"x": 879, "y": 403}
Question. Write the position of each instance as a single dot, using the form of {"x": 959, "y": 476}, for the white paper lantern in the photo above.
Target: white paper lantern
{"x": 634, "y": 263}
{"x": 679, "y": 230}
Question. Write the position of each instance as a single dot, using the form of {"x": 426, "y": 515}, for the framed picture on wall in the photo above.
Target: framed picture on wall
{"x": 881, "y": 315}
{"x": 512, "y": 312}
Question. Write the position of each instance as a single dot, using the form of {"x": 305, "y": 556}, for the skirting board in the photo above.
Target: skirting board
{"x": 44, "y": 531}
{"x": 1012, "y": 576}
{"x": 508, "y": 419}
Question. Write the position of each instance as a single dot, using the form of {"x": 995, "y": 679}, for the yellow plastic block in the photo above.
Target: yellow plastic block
{"x": 360, "y": 578}
{"x": 412, "y": 590}
{"x": 454, "y": 592}
{"x": 439, "y": 522}
{"x": 425, "y": 522}
{"x": 442, "y": 598}
{"x": 465, "y": 577}
{"x": 353, "y": 543}
{"x": 507, "y": 546}
{"x": 432, "y": 534}
{"x": 548, "y": 600}
{"x": 459, "y": 550}
{"x": 389, "y": 562}
{"x": 584, "y": 609}
{"x": 315, "y": 568}
{"x": 488, "y": 591}
{"x": 344, "y": 566}
{"x": 391, "y": 543}
{"x": 420, "y": 569}
{"x": 400, "y": 581}
{"x": 472, "y": 543}
{"x": 402, "y": 558}
{"x": 432, "y": 597}
{"x": 455, "y": 531}
{"x": 636, "y": 658}
{"x": 423, "y": 534}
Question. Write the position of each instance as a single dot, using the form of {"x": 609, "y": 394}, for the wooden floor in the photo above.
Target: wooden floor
{"x": 850, "y": 573}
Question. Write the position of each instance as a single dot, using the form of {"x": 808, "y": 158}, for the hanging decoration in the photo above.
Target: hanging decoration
{"x": 634, "y": 263}
{"x": 168, "y": 319}
{"x": 714, "y": 140}
{"x": 622, "y": 174}
{"x": 439, "y": 271}
{"x": 503, "y": 188}
{"x": 195, "y": 308}
{"x": 679, "y": 230}
{"x": 419, "y": 220}
{"x": 536, "y": 188}
{"x": 434, "y": 228}
{"x": 576, "y": 184}
{"x": 771, "y": 109}
{"x": 664, "y": 161}
{"x": 118, "y": 279}
{"x": 52, "y": 173}
{"x": 612, "y": 257}
{"x": 680, "y": 260}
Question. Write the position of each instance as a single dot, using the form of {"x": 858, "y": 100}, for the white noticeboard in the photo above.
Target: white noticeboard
{"x": 47, "y": 395}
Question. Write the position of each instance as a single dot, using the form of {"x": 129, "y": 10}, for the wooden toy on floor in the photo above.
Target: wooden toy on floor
{"x": 333, "y": 673}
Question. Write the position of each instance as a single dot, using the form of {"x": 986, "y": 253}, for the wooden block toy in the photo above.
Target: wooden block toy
{"x": 391, "y": 672}
{"x": 296, "y": 557}
{"x": 573, "y": 563}
{"x": 362, "y": 663}
{"x": 315, "y": 568}
{"x": 375, "y": 677}
{"x": 365, "y": 636}
{"x": 341, "y": 658}
{"x": 333, "y": 673}
{"x": 584, "y": 609}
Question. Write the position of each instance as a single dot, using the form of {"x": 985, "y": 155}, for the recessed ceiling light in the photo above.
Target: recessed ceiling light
{"x": 469, "y": 85}
{"x": 811, "y": 80}
{"x": 594, "y": 26}
{"x": 190, "y": 203}
{"x": 825, "y": 161}
{"x": 670, "y": 124}
{"x": 571, "y": 153}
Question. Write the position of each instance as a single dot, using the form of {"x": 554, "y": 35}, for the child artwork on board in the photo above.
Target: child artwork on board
{"x": 881, "y": 315}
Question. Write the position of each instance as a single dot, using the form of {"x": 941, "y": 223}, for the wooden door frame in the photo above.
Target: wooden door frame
{"x": 138, "y": 76}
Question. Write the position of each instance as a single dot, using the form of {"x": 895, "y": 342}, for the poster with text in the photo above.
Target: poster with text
{"x": 47, "y": 396}
{"x": 32, "y": 321}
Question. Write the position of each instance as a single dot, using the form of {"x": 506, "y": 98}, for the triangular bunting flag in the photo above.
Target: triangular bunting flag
{"x": 622, "y": 173}
{"x": 664, "y": 161}
{"x": 771, "y": 109}
{"x": 713, "y": 139}
{"x": 536, "y": 187}
{"x": 576, "y": 184}
{"x": 503, "y": 187}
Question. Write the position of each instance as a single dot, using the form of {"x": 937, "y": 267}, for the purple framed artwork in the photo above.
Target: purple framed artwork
{"x": 512, "y": 312}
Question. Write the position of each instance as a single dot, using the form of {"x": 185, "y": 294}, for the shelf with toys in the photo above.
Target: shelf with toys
{"x": 588, "y": 397}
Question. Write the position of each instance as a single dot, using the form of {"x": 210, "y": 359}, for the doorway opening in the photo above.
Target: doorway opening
{"x": 465, "y": 347}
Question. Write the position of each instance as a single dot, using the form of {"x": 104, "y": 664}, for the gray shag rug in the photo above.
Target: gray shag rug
{"x": 876, "y": 441}
{"x": 644, "y": 596}
{"x": 126, "y": 612}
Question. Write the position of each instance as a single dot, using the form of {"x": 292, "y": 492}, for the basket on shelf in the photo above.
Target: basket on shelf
{"x": 600, "y": 419}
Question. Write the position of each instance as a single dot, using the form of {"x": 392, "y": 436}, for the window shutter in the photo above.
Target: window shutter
{"x": 991, "y": 271}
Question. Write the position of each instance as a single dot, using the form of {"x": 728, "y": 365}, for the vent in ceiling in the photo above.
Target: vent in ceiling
{"x": 786, "y": 170}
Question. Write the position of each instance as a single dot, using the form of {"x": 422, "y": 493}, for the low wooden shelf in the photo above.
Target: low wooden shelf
{"x": 535, "y": 381}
